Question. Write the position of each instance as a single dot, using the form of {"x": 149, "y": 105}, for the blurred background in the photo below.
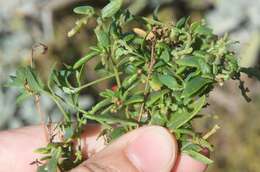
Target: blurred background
{"x": 24, "y": 23}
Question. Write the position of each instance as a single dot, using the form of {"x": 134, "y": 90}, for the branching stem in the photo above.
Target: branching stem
{"x": 150, "y": 71}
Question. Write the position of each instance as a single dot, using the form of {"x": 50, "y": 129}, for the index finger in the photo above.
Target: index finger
{"x": 17, "y": 146}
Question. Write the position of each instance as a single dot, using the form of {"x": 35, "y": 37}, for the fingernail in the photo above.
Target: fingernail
{"x": 152, "y": 151}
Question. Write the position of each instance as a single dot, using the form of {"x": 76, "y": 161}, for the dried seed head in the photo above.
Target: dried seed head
{"x": 143, "y": 34}
{"x": 119, "y": 102}
{"x": 139, "y": 71}
{"x": 139, "y": 32}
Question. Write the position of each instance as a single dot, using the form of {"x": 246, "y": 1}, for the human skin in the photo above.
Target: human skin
{"x": 147, "y": 149}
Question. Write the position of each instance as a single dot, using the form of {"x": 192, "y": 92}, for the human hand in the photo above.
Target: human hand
{"x": 147, "y": 149}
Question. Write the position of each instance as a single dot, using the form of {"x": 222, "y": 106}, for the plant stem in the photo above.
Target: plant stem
{"x": 150, "y": 71}
{"x": 55, "y": 99}
{"x": 211, "y": 132}
{"x": 152, "y": 21}
{"x": 42, "y": 116}
{"x": 102, "y": 119}
{"x": 117, "y": 77}
{"x": 96, "y": 81}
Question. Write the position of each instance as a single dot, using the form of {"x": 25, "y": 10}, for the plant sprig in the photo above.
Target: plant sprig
{"x": 164, "y": 73}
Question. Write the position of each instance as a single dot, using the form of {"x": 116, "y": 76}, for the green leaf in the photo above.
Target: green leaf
{"x": 205, "y": 68}
{"x": 155, "y": 83}
{"x": 158, "y": 119}
{"x": 169, "y": 82}
{"x": 69, "y": 132}
{"x": 129, "y": 80}
{"x": 52, "y": 164}
{"x": 198, "y": 156}
{"x": 194, "y": 25}
{"x": 119, "y": 52}
{"x": 102, "y": 37}
{"x": 110, "y": 9}
{"x": 108, "y": 119}
{"x": 42, "y": 168}
{"x": 194, "y": 85}
{"x": 85, "y": 59}
{"x": 44, "y": 159}
{"x": 21, "y": 97}
{"x": 33, "y": 81}
{"x": 203, "y": 30}
{"x": 27, "y": 80}
{"x": 129, "y": 37}
{"x": 117, "y": 132}
{"x": 181, "y": 117}
{"x": 68, "y": 90}
{"x": 86, "y": 10}
{"x": 42, "y": 150}
{"x": 203, "y": 143}
{"x": 154, "y": 96}
{"x": 181, "y": 23}
{"x": 130, "y": 69}
{"x": 61, "y": 79}
{"x": 190, "y": 61}
{"x": 107, "y": 94}
{"x": 18, "y": 80}
{"x": 101, "y": 105}
{"x": 134, "y": 99}
{"x": 165, "y": 55}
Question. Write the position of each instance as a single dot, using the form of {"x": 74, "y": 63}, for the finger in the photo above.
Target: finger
{"x": 91, "y": 143}
{"x": 147, "y": 149}
{"x": 186, "y": 163}
{"x": 17, "y": 146}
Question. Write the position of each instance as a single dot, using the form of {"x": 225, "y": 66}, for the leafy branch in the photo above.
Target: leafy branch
{"x": 164, "y": 73}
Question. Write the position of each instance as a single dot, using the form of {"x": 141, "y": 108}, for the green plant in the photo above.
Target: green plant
{"x": 163, "y": 72}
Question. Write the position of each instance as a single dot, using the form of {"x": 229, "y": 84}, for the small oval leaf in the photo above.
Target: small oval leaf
{"x": 86, "y": 10}
{"x": 169, "y": 82}
{"x": 194, "y": 85}
{"x": 102, "y": 37}
{"x": 158, "y": 119}
{"x": 129, "y": 80}
{"x": 85, "y": 59}
{"x": 203, "y": 30}
{"x": 134, "y": 99}
{"x": 165, "y": 55}
{"x": 154, "y": 83}
{"x": 100, "y": 105}
{"x": 110, "y": 9}
{"x": 188, "y": 61}
{"x": 179, "y": 118}
{"x": 154, "y": 96}
{"x": 117, "y": 132}
{"x": 198, "y": 156}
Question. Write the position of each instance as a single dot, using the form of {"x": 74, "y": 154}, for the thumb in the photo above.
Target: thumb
{"x": 147, "y": 149}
